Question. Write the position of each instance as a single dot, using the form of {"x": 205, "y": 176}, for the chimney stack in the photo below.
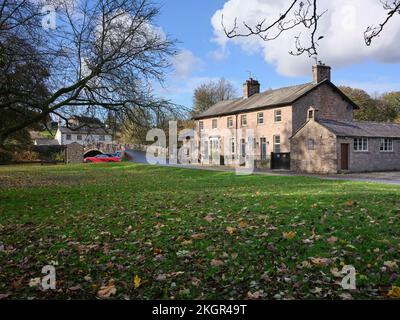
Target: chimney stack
{"x": 250, "y": 87}
{"x": 321, "y": 72}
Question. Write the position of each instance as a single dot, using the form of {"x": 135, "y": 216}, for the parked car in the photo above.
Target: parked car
{"x": 102, "y": 158}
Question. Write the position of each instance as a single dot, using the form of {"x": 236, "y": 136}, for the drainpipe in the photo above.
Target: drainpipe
{"x": 236, "y": 137}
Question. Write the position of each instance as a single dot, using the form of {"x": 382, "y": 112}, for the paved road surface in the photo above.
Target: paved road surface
{"x": 377, "y": 177}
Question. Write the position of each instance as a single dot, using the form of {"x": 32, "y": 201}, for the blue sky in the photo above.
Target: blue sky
{"x": 189, "y": 21}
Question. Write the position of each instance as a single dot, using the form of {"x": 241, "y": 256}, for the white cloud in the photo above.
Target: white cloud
{"x": 185, "y": 63}
{"x": 342, "y": 26}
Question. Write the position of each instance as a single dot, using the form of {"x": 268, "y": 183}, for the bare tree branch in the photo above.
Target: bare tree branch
{"x": 373, "y": 32}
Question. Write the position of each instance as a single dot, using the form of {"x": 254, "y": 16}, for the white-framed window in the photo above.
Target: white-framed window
{"x": 79, "y": 137}
{"x": 277, "y": 144}
{"x": 386, "y": 145}
{"x": 360, "y": 144}
{"x": 68, "y": 137}
{"x": 311, "y": 144}
{"x": 243, "y": 120}
{"x": 310, "y": 114}
{"x": 215, "y": 123}
{"x": 201, "y": 125}
{"x": 229, "y": 122}
{"x": 102, "y": 138}
{"x": 260, "y": 118}
{"x": 278, "y": 115}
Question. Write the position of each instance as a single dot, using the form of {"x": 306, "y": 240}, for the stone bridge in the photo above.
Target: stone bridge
{"x": 93, "y": 149}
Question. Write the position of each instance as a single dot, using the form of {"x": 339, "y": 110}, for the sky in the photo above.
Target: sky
{"x": 204, "y": 52}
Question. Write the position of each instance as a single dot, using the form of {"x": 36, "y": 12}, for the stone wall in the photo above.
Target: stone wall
{"x": 329, "y": 103}
{"x": 74, "y": 153}
{"x": 323, "y": 159}
{"x": 373, "y": 159}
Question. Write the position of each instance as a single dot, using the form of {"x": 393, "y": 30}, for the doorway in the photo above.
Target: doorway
{"x": 344, "y": 156}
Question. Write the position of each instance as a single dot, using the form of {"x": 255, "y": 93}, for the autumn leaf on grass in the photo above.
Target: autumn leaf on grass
{"x": 336, "y": 273}
{"x": 157, "y": 251}
{"x": 209, "y": 218}
{"x": 108, "y": 290}
{"x": 216, "y": 263}
{"x": 34, "y": 282}
{"x": 242, "y": 224}
{"x": 289, "y": 235}
{"x": 350, "y": 203}
{"x": 392, "y": 265}
{"x": 231, "y": 230}
{"x": 137, "y": 281}
{"x": 322, "y": 262}
{"x": 394, "y": 292}
{"x": 198, "y": 236}
{"x": 332, "y": 240}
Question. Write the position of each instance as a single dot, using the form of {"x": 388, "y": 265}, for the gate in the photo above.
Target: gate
{"x": 280, "y": 161}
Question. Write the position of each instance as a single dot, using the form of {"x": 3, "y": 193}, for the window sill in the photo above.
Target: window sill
{"x": 383, "y": 151}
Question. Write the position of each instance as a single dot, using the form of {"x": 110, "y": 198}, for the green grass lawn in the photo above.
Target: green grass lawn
{"x": 146, "y": 232}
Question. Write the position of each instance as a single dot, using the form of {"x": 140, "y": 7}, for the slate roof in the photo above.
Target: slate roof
{"x": 361, "y": 128}
{"x": 268, "y": 99}
{"x": 84, "y": 130}
{"x": 46, "y": 142}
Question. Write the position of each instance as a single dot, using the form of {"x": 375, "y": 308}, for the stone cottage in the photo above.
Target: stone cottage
{"x": 331, "y": 146}
{"x": 273, "y": 115}
{"x": 288, "y": 134}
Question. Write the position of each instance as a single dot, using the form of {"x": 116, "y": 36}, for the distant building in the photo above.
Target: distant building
{"x": 83, "y": 130}
{"x": 83, "y": 136}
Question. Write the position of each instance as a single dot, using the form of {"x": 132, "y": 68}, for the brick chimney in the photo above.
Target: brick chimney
{"x": 250, "y": 87}
{"x": 321, "y": 72}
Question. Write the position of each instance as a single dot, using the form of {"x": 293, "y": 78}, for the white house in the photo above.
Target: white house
{"x": 83, "y": 136}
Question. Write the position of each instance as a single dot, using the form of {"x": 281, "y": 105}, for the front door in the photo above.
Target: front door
{"x": 344, "y": 156}
{"x": 263, "y": 145}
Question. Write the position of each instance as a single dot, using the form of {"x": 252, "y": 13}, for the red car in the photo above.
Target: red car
{"x": 102, "y": 158}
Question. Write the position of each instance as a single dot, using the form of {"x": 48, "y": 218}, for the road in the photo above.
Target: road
{"x": 372, "y": 177}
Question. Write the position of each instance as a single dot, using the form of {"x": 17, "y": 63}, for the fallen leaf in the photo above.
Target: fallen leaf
{"x": 253, "y": 296}
{"x": 231, "y": 230}
{"x": 350, "y": 203}
{"x": 346, "y": 296}
{"x": 336, "y": 273}
{"x": 75, "y": 288}
{"x": 198, "y": 236}
{"x": 107, "y": 291}
{"x": 392, "y": 265}
{"x": 242, "y": 224}
{"x": 394, "y": 292}
{"x": 332, "y": 240}
{"x": 137, "y": 281}
{"x": 161, "y": 277}
{"x": 209, "y": 218}
{"x": 321, "y": 261}
{"x": 217, "y": 263}
{"x": 34, "y": 282}
{"x": 195, "y": 281}
{"x": 288, "y": 235}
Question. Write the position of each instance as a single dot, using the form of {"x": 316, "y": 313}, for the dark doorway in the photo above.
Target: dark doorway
{"x": 280, "y": 160}
{"x": 344, "y": 156}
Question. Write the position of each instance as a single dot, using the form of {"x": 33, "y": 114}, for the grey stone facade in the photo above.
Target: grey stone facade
{"x": 73, "y": 153}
